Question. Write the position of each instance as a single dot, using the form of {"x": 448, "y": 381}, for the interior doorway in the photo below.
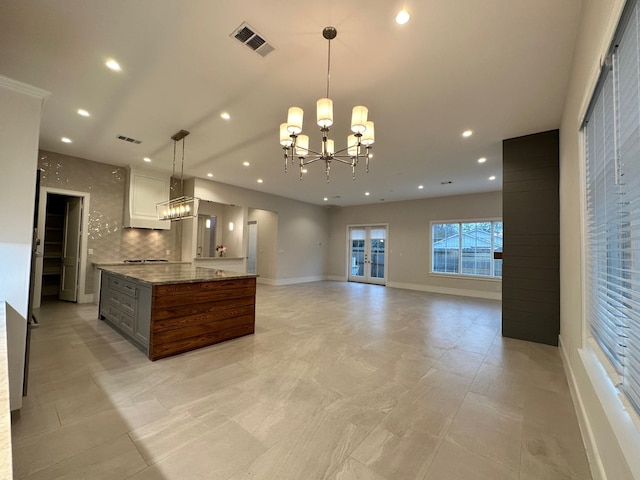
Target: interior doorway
{"x": 61, "y": 252}
{"x": 368, "y": 254}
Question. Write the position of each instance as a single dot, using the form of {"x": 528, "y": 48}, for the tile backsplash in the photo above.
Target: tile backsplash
{"x": 106, "y": 185}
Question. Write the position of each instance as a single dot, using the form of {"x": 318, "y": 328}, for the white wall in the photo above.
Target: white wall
{"x": 20, "y": 110}
{"x": 408, "y": 240}
{"x": 302, "y": 228}
{"x": 613, "y": 441}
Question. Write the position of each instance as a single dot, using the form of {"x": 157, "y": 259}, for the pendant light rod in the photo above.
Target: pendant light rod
{"x": 329, "y": 33}
{"x": 178, "y": 207}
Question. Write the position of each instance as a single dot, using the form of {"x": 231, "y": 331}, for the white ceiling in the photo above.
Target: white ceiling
{"x": 498, "y": 67}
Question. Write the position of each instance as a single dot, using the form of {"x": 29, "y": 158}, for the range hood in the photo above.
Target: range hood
{"x": 145, "y": 189}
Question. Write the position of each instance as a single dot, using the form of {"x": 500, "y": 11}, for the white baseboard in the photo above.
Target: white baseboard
{"x": 337, "y": 278}
{"x": 447, "y": 291}
{"x": 291, "y": 281}
{"x": 588, "y": 438}
{"x": 266, "y": 281}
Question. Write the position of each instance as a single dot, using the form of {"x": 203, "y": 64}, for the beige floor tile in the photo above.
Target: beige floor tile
{"x": 114, "y": 460}
{"x": 28, "y": 422}
{"x": 391, "y": 456}
{"x": 214, "y": 456}
{"x": 554, "y": 453}
{"x": 341, "y": 381}
{"x": 490, "y": 430}
{"x": 159, "y": 439}
{"x": 72, "y": 408}
{"x": 452, "y": 462}
{"x": 351, "y": 469}
{"x": 44, "y": 450}
{"x": 460, "y": 362}
{"x": 499, "y": 385}
{"x": 323, "y": 444}
{"x": 184, "y": 392}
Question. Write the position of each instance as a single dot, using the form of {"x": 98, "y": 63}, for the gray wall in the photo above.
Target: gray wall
{"x": 409, "y": 259}
{"x": 302, "y": 228}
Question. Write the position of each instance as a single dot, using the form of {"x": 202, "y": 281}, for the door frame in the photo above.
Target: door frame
{"x": 387, "y": 251}
{"x": 83, "y": 297}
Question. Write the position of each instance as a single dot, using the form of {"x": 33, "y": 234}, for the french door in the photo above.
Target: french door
{"x": 368, "y": 254}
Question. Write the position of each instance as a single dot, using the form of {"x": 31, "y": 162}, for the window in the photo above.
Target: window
{"x": 612, "y": 148}
{"x": 466, "y": 248}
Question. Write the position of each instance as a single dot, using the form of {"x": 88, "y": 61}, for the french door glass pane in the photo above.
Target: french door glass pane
{"x": 357, "y": 257}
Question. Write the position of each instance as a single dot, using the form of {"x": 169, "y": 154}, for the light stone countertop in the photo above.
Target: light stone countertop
{"x": 123, "y": 263}
{"x": 6, "y": 467}
{"x": 163, "y": 274}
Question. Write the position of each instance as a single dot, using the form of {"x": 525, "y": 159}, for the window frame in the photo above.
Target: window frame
{"x": 490, "y": 278}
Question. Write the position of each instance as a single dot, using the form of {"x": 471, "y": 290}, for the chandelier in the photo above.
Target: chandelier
{"x": 178, "y": 208}
{"x": 296, "y": 145}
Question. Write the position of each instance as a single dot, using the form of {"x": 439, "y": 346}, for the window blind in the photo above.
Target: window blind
{"x": 612, "y": 141}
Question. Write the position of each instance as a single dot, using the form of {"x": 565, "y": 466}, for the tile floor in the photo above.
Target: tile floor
{"x": 341, "y": 381}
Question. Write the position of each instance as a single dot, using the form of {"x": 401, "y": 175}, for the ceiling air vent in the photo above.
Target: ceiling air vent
{"x": 248, "y": 36}
{"x": 128, "y": 139}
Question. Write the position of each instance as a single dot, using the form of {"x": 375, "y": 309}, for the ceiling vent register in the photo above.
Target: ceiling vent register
{"x": 128, "y": 139}
{"x": 247, "y": 35}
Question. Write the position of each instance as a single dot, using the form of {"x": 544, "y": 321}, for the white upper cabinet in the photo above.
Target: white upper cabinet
{"x": 145, "y": 189}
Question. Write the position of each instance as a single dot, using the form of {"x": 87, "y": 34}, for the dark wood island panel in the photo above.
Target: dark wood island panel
{"x": 172, "y": 309}
{"x": 186, "y": 316}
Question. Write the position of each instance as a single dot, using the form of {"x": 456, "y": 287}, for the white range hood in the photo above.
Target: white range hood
{"x": 145, "y": 189}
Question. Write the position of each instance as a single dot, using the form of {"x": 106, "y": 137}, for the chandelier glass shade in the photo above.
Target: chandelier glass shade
{"x": 296, "y": 145}
{"x": 180, "y": 207}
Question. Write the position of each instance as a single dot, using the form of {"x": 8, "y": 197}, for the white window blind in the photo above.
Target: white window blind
{"x": 612, "y": 134}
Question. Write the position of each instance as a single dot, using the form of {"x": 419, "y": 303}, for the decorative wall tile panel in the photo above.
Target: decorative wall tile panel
{"x": 106, "y": 184}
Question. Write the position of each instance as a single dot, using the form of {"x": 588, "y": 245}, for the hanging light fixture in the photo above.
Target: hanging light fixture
{"x": 296, "y": 145}
{"x": 181, "y": 207}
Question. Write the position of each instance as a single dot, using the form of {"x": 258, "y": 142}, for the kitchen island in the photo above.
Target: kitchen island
{"x": 169, "y": 309}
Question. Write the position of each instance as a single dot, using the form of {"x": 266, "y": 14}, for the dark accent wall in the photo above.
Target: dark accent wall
{"x": 531, "y": 259}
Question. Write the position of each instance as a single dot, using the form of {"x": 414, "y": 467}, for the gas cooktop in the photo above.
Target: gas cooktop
{"x": 145, "y": 260}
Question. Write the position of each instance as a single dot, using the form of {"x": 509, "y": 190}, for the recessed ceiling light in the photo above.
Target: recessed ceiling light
{"x": 113, "y": 65}
{"x": 65, "y": 140}
{"x": 260, "y": 180}
{"x": 83, "y": 112}
{"x": 482, "y": 160}
{"x": 492, "y": 177}
{"x": 325, "y": 199}
{"x": 209, "y": 174}
{"x": 420, "y": 187}
{"x": 246, "y": 164}
{"x": 402, "y": 17}
{"x": 225, "y": 116}
{"x": 371, "y": 155}
{"x": 467, "y": 133}
{"x": 367, "y": 193}
{"x": 147, "y": 159}
{"x": 304, "y": 170}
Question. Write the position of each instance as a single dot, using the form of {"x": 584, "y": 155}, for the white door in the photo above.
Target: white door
{"x": 368, "y": 254}
{"x": 71, "y": 249}
{"x": 252, "y": 253}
